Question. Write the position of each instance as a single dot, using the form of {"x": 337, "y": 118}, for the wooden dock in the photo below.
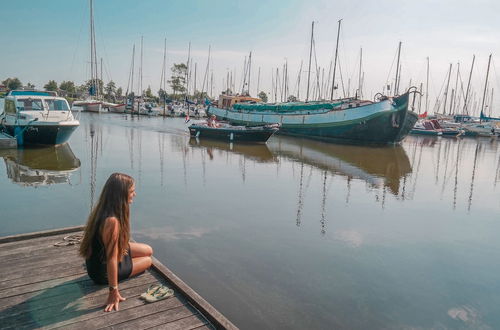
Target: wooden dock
{"x": 45, "y": 287}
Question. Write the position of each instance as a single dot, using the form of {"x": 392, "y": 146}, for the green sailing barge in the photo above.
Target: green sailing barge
{"x": 386, "y": 120}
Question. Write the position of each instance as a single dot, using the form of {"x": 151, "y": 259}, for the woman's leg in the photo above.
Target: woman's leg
{"x": 140, "y": 264}
{"x": 141, "y": 257}
{"x": 140, "y": 250}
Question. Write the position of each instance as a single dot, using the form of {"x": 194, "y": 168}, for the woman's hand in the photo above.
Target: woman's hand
{"x": 114, "y": 299}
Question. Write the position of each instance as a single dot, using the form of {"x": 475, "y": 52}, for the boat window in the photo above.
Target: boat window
{"x": 10, "y": 107}
{"x": 29, "y": 104}
{"x": 57, "y": 104}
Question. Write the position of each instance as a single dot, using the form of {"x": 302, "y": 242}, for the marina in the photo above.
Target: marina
{"x": 249, "y": 165}
{"x": 351, "y": 215}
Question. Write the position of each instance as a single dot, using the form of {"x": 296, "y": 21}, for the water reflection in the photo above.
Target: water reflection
{"x": 378, "y": 166}
{"x": 40, "y": 166}
{"x": 455, "y": 165}
{"x": 257, "y": 152}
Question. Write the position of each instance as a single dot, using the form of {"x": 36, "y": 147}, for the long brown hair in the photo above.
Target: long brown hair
{"x": 113, "y": 202}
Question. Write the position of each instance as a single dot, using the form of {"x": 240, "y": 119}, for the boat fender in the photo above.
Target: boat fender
{"x": 395, "y": 120}
{"x": 231, "y": 136}
{"x": 198, "y": 133}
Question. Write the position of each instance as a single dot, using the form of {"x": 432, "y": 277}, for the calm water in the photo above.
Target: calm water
{"x": 296, "y": 234}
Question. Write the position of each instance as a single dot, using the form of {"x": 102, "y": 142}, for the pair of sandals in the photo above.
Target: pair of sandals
{"x": 157, "y": 292}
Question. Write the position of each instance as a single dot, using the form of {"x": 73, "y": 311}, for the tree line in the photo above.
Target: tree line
{"x": 112, "y": 93}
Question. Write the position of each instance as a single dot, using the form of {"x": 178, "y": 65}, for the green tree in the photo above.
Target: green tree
{"x": 12, "y": 83}
{"x": 263, "y": 96}
{"x": 148, "y": 93}
{"x": 51, "y": 86}
{"x": 178, "y": 79}
{"x": 30, "y": 86}
{"x": 110, "y": 90}
{"x": 68, "y": 87}
{"x": 119, "y": 93}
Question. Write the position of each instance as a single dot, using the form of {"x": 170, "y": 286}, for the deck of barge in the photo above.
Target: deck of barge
{"x": 45, "y": 287}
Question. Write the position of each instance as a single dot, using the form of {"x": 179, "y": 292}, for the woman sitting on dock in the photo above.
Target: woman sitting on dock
{"x": 110, "y": 256}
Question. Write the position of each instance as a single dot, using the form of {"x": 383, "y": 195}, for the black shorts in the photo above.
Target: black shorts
{"x": 99, "y": 273}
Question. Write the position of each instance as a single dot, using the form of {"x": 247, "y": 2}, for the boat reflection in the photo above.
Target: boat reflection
{"x": 257, "y": 152}
{"x": 378, "y": 166}
{"x": 40, "y": 166}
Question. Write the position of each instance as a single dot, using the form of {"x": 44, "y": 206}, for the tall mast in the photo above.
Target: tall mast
{"x": 93, "y": 69}
{"x": 491, "y": 101}
{"x": 298, "y": 80}
{"x": 335, "y": 60}
{"x": 102, "y": 81}
{"x": 420, "y": 98}
{"x": 133, "y": 68}
{"x": 164, "y": 74}
{"x": 194, "y": 80}
{"x": 360, "y": 70}
{"x": 164, "y": 67}
{"x": 249, "y": 71}
{"x": 427, "y": 88}
{"x": 310, "y": 55}
{"x": 211, "y": 82}
{"x": 486, "y": 84}
{"x": 187, "y": 69}
{"x": 446, "y": 90}
{"x": 452, "y": 100}
{"x": 142, "y": 40}
{"x": 258, "y": 82}
{"x": 468, "y": 85}
{"x": 205, "y": 77}
{"x": 244, "y": 76}
{"x": 396, "y": 84}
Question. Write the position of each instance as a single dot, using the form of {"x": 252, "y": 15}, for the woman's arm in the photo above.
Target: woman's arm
{"x": 110, "y": 235}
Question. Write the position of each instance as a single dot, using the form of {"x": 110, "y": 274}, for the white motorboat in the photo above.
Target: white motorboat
{"x": 38, "y": 117}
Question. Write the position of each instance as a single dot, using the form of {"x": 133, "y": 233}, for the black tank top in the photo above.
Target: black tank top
{"x": 96, "y": 264}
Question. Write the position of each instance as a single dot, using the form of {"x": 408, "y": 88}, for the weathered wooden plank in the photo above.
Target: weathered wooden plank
{"x": 40, "y": 275}
{"x": 44, "y": 250}
{"x": 129, "y": 309}
{"x": 186, "y": 323}
{"x": 39, "y": 234}
{"x": 69, "y": 308}
{"x": 45, "y": 241}
{"x": 26, "y": 303}
{"x": 38, "y": 262}
{"x": 14, "y": 272}
{"x": 27, "y": 252}
{"x": 149, "y": 320}
{"x": 213, "y": 315}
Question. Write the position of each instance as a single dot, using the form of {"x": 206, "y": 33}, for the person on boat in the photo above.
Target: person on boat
{"x": 212, "y": 122}
{"x": 109, "y": 255}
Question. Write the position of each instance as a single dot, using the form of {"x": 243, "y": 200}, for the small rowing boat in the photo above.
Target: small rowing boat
{"x": 223, "y": 131}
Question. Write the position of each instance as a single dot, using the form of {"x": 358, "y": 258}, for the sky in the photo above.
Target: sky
{"x": 44, "y": 40}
